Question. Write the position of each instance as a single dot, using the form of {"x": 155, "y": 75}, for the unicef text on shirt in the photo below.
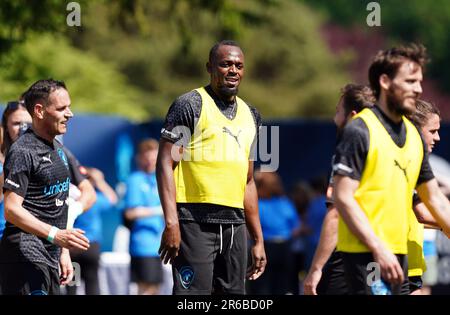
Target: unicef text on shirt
{"x": 58, "y": 187}
{"x": 235, "y": 145}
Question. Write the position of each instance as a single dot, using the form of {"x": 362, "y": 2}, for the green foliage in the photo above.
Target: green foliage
{"x": 134, "y": 57}
{"x": 93, "y": 84}
{"x": 427, "y": 22}
{"x": 164, "y": 55}
{"x": 19, "y": 18}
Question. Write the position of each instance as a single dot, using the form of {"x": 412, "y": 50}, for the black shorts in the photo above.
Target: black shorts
{"x": 333, "y": 280}
{"x": 358, "y": 274}
{"x": 415, "y": 283}
{"x": 28, "y": 279}
{"x": 146, "y": 270}
{"x": 212, "y": 259}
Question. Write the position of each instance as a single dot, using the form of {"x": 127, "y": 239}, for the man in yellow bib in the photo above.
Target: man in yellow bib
{"x": 427, "y": 118}
{"x": 205, "y": 181}
{"x": 379, "y": 161}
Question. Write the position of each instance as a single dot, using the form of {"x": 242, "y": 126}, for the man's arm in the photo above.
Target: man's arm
{"x": 253, "y": 223}
{"x": 66, "y": 267}
{"x": 142, "y": 212}
{"x": 82, "y": 204}
{"x": 356, "y": 220}
{"x": 88, "y": 195}
{"x": 424, "y": 215}
{"x": 326, "y": 246}
{"x": 99, "y": 182}
{"x": 20, "y": 217}
{"x": 437, "y": 203}
{"x": 170, "y": 240}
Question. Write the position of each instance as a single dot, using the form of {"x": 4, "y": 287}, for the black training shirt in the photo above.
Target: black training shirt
{"x": 38, "y": 171}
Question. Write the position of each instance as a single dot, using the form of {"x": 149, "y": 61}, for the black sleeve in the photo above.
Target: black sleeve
{"x": 257, "y": 119}
{"x": 352, "y": 149}
{"x": 426, "y": 173}
{"x": 258, "y": 122}
{"x": 74, "y": 168}
{"x": 182, "y": 116}
{"x": 18, "y": 167}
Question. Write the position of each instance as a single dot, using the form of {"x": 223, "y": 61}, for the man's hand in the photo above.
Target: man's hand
{"x": 391, "y": 270}
{"x": 71, "y": 239}
{"x": 170, "y": 243}
{"x": 259, "y": 262}
{"x": 66, "y": 267}
{"x": 311, "y": 282}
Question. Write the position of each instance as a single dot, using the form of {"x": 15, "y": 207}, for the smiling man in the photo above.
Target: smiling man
{"x": 379, "y": 161}
{"x": 35, "y": 242}
{"x": 209, "y": 195}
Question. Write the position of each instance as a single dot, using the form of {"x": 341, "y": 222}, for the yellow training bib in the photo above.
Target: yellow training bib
{"x": 215, "y": 162}
{"x": 386, "y": 188}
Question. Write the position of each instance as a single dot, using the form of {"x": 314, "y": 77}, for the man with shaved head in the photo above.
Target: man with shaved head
{"x": 206, "y": 185}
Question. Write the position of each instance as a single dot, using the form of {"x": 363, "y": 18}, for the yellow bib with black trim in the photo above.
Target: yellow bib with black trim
{"x": 215, "y": 162}
{"x": 416, "y": 258}
{"x": 386, "y": 187}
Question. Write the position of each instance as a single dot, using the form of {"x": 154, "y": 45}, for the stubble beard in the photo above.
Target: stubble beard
{"x": 395, "y": 104}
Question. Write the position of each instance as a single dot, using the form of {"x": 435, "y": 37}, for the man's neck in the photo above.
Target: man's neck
{"x": 40, "y": 132}
{"x": 383, "y": 106}
{"x": 225, "y": 99}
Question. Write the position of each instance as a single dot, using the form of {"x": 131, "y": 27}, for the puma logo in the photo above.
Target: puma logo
{"x": 47, "y": 159}
{"x": 228, "y": 131}
{"x": 403, "y": 169}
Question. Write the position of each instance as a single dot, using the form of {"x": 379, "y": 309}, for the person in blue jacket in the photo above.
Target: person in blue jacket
{"x": 143, "y": 211}
{"x": 279, "y": 222}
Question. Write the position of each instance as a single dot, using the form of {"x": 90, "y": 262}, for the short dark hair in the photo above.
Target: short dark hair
{"x": 389, "y": 61}
{"x": 39, "y": 92}
{"x": 423, "y": 111}
{"x": 356, "y": 97}
{"x": 225, "y": 42}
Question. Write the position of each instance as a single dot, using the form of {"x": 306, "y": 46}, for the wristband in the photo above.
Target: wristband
{"x": 52, "y": 234}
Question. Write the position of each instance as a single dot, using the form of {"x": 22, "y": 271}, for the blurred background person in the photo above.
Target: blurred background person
{"x": 15, "y": 117}
{"x": 144, "y": 217}
{"x": 279, "y": 222}
{"x": 301, "y": 196}
{"x": 326, "y": 274}
{"x": 315, "y": 214}
{"x": 422, "y": 251}
{"x": 91, "y": 222}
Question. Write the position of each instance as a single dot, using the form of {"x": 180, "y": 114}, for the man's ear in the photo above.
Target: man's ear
{"x": 385, "y": 82}
{"x": 39, "y": 111}
{"x": 208, "y": 67}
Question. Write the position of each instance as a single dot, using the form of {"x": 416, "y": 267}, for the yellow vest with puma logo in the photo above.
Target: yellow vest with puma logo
{"x": 215, "y": 162}
{"x": 386, "y": 187}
